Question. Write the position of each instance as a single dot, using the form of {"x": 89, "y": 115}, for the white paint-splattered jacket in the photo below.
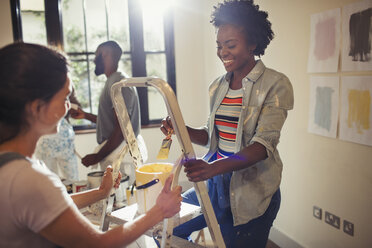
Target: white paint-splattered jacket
{"x": 268, "y": 95}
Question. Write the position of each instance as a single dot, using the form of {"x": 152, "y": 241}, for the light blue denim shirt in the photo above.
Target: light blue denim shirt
{"x": 268, "y": 95}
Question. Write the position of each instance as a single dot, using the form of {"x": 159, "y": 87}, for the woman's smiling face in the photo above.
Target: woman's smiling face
{"x": 233, "y": 49}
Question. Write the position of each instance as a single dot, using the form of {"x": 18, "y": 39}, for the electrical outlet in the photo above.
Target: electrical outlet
{"x": 317, "y": 212}
{"x": 348, "y": 228}
{"x": 332, "y": 219}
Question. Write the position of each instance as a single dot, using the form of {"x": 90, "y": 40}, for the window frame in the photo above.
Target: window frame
{"x": 54, "y": 32}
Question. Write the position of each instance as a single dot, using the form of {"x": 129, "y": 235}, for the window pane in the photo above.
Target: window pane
{"x": 33, "y": 21}
{"x": 96, "y": 23}
{"x": 125, "y": 65}
{"x": 156, "y": 66}
{"x": 118, "y": 23}
{"x": 157, "y": 108}
{"x": 153, "y": 32}
{"x": 73, "y": 26}
{"x": 79, "y": 77}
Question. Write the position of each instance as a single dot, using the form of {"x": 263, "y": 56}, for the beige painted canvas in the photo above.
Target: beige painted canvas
{"x": 324, "y": 41}
{"x": 356, "y": 109}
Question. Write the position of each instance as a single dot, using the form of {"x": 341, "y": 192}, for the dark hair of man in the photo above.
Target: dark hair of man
{"x": 115, "y": 49}
{"x": 245, "y": 14}
{"x": 27, "y": 72}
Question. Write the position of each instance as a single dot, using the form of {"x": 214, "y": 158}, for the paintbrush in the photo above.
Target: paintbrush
{"x": 165, "y": 146}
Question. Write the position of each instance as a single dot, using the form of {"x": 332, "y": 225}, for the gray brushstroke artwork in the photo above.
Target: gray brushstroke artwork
{"x": 360, "y": 35}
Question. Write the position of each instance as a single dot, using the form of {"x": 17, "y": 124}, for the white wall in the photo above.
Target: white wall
{"x": 332, "y": 174}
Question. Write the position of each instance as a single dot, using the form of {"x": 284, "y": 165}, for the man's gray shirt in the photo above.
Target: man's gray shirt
{"x": 106, "y": 117}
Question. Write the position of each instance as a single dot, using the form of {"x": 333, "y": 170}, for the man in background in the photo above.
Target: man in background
{"x": 109, "y": 135}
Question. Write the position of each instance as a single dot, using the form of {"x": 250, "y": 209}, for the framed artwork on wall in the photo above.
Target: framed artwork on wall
{"x": 324, "y": 100}
{"x": 324, "y": 50}
{"x": 356, "y": 109}
{"x": 357, "y": 36}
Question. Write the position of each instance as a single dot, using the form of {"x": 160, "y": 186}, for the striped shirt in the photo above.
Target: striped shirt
{"x": 226, "y": 121}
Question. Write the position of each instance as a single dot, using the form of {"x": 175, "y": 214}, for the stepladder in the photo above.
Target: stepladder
{"x": 165, "y": 230}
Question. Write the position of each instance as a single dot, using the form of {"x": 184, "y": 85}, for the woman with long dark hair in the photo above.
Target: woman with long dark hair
{"x": 35, "y": 209}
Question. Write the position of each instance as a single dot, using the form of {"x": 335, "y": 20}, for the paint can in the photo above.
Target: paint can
{"x": 120, "y": 195}
{"x": 94, "y": 179}
{"x": 131, "y": 194}
{"x": 79, "y": 186}
{"x": 150, "y": 180}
